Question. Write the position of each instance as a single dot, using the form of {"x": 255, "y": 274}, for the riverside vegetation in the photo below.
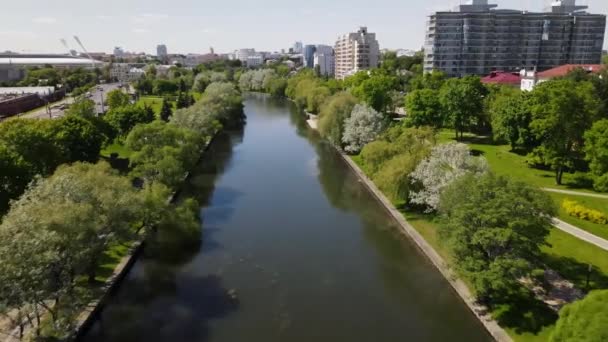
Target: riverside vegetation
{"x": 70, "y": 216}
{"x": 494, "y": 230}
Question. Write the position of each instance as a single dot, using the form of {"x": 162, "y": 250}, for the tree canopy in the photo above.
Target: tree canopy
{"x": 584, "y": 320}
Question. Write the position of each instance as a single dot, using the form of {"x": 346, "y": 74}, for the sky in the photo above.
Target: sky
{"x": 193, "y": 26}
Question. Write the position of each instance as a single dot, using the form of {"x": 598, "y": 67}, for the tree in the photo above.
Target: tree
{"x": 376, "y": 153}
{"x": 424, "y": 108}
{"x": 166, "y": 110}
{"x": 277, "y": 86}
{"x": 562, "y": 110}
{"x": 82, "y": 107}
{"x": 393, "y": 177}
{"x": 596, "y": 150}
{"x": 362, "y": 127}
{"x": 123, "y": 119}
{"x": 162, "y": 152}
{"x": 375, "y": 91}
{"x": 446, "y": 164}
{"x": 117, "y": 98}
{"x": 224, "y": 101}
{"x": 494, "y": 228}
{"x": 316, "y": 97}
{"x": 511, "y": 114}
{"x": 165, "y": 87}
{"x": 584, "y": 320}
{"x": 182, "y": 101}
{"x": 462, "y": 100}
{"x": 333, "y": 114}
{"x": 14, "y": 176}
{"x": 78, "y": 139}
{"x": 433, "y": 80}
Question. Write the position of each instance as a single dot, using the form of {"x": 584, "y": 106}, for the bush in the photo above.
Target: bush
{"x": 601, "y": 183}
{"x": 575, "y": 209}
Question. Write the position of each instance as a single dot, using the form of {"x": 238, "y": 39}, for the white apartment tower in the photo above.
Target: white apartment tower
{"x": 356, "y": 51}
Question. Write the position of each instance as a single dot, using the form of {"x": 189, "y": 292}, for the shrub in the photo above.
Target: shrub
{"x": 601, "y": 183}
{"x": 575, "y": 209}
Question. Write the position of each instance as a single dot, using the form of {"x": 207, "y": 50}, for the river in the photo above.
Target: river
{"x": 293, "y": 248}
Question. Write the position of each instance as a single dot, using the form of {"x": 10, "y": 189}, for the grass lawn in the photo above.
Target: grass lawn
{"x": 529, "y": 320}
{"x": 118, "y": 148}
{"x": 504, "y": 162}
{"x": 156, "y": 102}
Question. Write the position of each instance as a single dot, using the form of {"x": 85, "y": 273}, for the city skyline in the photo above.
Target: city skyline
{"x": 140, "y": 27}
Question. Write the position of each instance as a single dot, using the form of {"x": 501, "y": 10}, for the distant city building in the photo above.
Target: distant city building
{"x": 243, "y": 54}
{"x": 125, "y": 72}
{"x": 255, "y": 60}
{"x": 324, "y": 60}
{"x": 532, "y": 78}
{"x": 15, "y": 100}
{"x": 308, "y": 56}
{"x": 298, "y": 47}
{"x": 478, "y": 39}
{"x": 356, "y": 51}
{"x": 119, "y": 52}
{"x": 161, "y": 52}
{"x": 404, "y": 52}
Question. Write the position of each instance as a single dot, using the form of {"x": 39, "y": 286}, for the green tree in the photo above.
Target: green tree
{"x": 333, "y": 113}
{"x": 162, "y": 152}
{"x": 596, "y": 150}
{"x": 511, "y": 114}
{"x": 494, "y": 227}
{"x": 14, "y": 176}
{"x": 82, "y": 107}
{"x": 117, "y": 98}
{"x": 584, "y": 320}
{"x": 123, "y": 119}
{"x": 277, "y": 87}
{"x": 78, "y": 139}
{"x": 424, "y": 108}
{"x": 562, "y": 110}
{"x": 375, "y": 91}
{"x": 462, "y": 100}
{"x": 316, "y": 97}
{"x": 433, "y": 80}
{"x": 224, "y": 101}
{"x": 166, "y": 110}
{"x": 182, "y": 101}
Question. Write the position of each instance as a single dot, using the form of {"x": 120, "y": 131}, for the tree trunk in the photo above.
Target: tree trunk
{"x": 559, "y": 173}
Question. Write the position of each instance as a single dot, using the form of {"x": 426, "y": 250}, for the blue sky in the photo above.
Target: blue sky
{"x": 195, "y": 25}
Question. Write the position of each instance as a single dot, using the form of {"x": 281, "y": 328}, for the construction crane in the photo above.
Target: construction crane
{"x": 85, "y": 51}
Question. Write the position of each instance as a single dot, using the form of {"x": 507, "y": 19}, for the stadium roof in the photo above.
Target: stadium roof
{"x": 40, "y": 61}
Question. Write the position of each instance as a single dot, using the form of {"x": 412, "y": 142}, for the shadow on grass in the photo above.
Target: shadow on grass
{"x": 524, "y": 314}
{"x": 577, "y": 272}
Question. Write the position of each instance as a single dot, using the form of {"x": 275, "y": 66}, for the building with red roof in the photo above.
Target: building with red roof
{"x": 503, "y": 78}
{"x": 529, "y": 79}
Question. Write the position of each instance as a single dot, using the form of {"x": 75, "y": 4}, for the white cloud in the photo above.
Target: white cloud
{"x": 140, "y": 30}
{"x": 209, "y": 30}
{"x": 44, "y": 20}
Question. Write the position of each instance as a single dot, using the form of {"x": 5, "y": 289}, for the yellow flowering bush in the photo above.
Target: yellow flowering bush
{"x": 575, "y": 209}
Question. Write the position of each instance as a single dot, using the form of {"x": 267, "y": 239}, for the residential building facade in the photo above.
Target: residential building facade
{"x": 478, "y": 39}
{"x": 324, "y": 60}
{"x": 356, "y": 51}
{"x": 161, "y": 52}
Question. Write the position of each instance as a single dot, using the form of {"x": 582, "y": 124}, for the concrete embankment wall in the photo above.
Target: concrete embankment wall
{"x": 88, "y": 317}
{"x": 481, "y": 312}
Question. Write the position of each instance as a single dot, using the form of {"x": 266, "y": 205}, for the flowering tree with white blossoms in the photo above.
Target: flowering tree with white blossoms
{"x": 362, "y": 127}
{"x": 446, "y": 164}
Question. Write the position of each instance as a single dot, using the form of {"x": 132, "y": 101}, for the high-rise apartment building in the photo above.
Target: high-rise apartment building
{"x": 356, "y": 51}
{"x": 477, "y": 38}
{"x": 161, "y": 51}
{"x": 324, "y": 61}
{"x": 308, "y": 56}
{"x": 298, "y": 47}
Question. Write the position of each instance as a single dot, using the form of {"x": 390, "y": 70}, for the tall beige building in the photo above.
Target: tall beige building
{"x": 356, "y": 51}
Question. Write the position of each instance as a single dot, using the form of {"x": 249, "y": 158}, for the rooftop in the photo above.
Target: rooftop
{"x": 563, "y": 70}
{"x": 500, "y": 77}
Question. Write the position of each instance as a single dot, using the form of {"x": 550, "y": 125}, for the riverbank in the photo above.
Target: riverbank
{"x": 480, "y": 311}
{"x": 90, "y": 314}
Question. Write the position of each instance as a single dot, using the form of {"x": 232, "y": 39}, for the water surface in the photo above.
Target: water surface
{"x": 294, "y": 248}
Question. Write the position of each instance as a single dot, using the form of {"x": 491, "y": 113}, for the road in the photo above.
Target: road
{"x": 57, "y": 109}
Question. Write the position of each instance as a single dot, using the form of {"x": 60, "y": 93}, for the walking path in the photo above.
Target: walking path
{"x": 581, "y": 234}
{"x": 575, "y": 193}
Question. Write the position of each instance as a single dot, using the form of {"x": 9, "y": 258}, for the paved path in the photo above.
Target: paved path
{"x": 581, "y": 234}
{"x": 575, "y": 193}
